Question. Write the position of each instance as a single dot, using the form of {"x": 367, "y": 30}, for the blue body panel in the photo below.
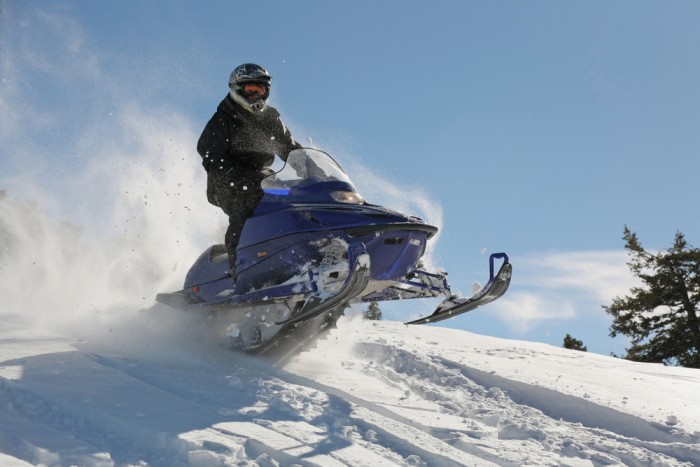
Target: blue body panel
{"x": 278, "y": 242}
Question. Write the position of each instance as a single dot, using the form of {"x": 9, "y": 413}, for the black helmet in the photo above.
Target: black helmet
{"x": 250, "y": 86}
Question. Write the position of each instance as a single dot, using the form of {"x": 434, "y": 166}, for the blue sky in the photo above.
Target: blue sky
{"x": 537, "y": 128}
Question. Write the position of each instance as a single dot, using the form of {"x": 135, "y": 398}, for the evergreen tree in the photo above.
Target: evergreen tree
{"x": 574, "y": 344}
{"x": 372, "y": 312}
{"x": 661, "y": 317}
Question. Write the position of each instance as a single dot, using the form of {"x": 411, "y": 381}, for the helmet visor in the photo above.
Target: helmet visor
{"x": 255, "y": 90}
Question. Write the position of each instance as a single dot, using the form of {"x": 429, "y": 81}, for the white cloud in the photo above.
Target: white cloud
{"x": 600, "y": 274}
{"x": 562, "y": 286}
{"x": 54, "y": 43}
{"x": 48, "y": 77}
{"x": 523, "y": 311}
{"x": 8, "y": 77}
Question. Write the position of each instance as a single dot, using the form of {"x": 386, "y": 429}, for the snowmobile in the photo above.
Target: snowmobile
{"x": 312, "y": 248}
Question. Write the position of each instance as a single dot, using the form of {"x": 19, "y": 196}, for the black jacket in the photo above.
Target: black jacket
{"x": 237, "y": 144}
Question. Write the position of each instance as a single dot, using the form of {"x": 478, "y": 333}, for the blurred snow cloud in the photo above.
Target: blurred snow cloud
{"x": 103, "y": 202}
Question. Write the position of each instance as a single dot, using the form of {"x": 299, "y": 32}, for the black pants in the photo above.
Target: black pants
{"x": 238, "y": 200}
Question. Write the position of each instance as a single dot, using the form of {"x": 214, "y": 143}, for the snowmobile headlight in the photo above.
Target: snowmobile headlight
{"x": 349, "y": 197}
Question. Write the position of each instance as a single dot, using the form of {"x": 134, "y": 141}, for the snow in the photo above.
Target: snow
{"x": 163, "y": 389}
{"x": 94, "y": 373}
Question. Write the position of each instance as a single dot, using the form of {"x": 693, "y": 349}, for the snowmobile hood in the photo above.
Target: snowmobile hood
{"x": 312, "y": 193}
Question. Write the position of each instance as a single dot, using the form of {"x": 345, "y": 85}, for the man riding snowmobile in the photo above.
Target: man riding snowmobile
{"x": 312, "y": 246}
{"x": 240, "y": 140}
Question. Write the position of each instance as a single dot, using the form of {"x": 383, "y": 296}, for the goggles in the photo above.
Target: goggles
{"x": 255, "y": 89}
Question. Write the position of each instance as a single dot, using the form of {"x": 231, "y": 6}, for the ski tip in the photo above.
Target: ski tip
{"x": 450, "y": 307}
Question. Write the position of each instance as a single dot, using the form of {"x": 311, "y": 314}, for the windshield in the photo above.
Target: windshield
{"x": 305, "y": 167}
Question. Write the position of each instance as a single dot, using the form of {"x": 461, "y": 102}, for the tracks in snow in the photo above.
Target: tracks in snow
{"x": 502, "y": 421}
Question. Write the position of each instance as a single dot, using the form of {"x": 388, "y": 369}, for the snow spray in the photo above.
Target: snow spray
{"x": 138, "y": 218}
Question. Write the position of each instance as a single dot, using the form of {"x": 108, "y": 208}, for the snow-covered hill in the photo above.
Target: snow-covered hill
{"x": 162, "y": 389}
{"x": 92, "y": 373}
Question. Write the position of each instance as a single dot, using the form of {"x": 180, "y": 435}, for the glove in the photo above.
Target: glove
{"x": 266, "y": 172}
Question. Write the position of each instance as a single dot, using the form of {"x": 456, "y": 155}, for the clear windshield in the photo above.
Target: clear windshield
{"x": 305, "y": 167}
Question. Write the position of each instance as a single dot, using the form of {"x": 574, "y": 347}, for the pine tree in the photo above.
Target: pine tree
{"x": 373, "y": 312}
{"x": 661, "y": 317}
{"x": 574, "y": 344}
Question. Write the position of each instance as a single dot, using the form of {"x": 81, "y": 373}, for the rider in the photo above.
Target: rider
{"x": 238, "y": 143}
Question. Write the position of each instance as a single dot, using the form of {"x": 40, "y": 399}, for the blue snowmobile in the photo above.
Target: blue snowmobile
{"x": 312, "y": 248}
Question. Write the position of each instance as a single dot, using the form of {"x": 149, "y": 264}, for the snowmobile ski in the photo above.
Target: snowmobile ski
{"x": 495, "y": 288}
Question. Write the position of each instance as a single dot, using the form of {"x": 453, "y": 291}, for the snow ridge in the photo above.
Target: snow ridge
{"x": 372, "y": 393}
